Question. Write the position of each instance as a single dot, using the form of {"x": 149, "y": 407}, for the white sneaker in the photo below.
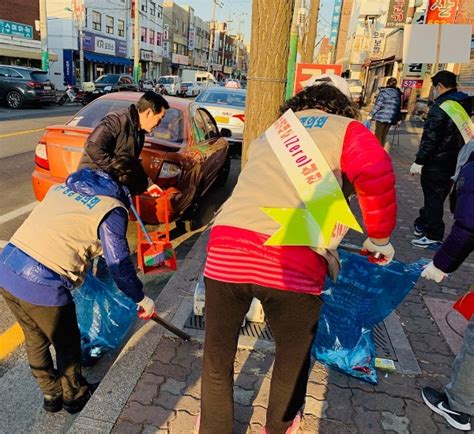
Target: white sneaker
{"x": 425, "y": 242}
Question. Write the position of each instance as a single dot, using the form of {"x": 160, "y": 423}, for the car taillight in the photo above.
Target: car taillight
{"x": 41, "y": 156}
{"x": 34, "y": 84}
{"x": 169, "y": 174}
{"x": 241, "y": 117}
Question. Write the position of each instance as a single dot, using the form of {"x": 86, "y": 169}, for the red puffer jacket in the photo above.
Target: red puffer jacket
{"x": 238, "y": 255}
{"x": 369, "y": 169}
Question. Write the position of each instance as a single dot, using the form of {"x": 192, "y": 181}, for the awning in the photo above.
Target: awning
{"x": 105, "y": 58}
{"x": 26, "y": 53}
{"x": 379, "y": 62}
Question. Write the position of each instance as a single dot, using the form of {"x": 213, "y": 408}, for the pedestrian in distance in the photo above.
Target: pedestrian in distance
{"x": 436, "y": 158}
{"x": 50, "y": 254}
{"x": 122, "y": 133}
{"x": 387, "y": 109}
{"x": 456, "y": 402}
{"x": 287, "y": 279}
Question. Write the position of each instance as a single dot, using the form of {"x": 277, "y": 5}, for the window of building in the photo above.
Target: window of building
{"x": 159, "y": 11}
{"x": 184, "y": 28}
{"x": 144, "y": 5}
{"x": 144, "y": 32}
{"x": 109, "y": 24}
{"x": 96, "y": 20}
{"x": 176, "y": 24}
{"x": 152, "y": 8}
{"x": 85, "y": 15}
{"x": 175, "y": 47}
{"x": 121, "y": 27}
{"x": 152, "y": 36}
{"x": 159, "y": 37}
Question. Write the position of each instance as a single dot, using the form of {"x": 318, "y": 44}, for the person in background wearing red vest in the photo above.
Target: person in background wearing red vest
{"x": 286, "y": 279}
{"x": 456, "y": 402}
{"x": 436, "y": 159}
{"x": 50, "y": 254}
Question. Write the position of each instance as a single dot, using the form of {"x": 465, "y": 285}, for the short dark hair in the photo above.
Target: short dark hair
{"x": 324, "y": 97}
{"x": 129, "y": 171}
{"x": 392, "y": 82}
{"x": 152, "y": 100}
{"x": 446, "y": 78}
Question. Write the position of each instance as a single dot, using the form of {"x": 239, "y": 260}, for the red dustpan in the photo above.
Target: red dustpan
{"x": 465, "y": 305}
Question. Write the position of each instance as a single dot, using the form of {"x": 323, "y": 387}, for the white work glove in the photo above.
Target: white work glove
{"x": 430, "y": 272}
{"x": 386, "y": 250}
{"x": 415, "y": 169}
{"x": 154, "y": 190}
{"x": 146, "y": 308}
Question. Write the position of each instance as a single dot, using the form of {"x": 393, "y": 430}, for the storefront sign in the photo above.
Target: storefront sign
{"x": 378, "y": 42}
{"x": 412, "y": 84}
{"x": 11, "y": 28}
{"x": 68, "y": 67}
{"x": 336, "y": 16}
{"x": 179, "y": 59}
{"x": 397, "y": 13}
{"x": 99, "y": 44}
{"x": 441, "y": 11}
{"x": 146, "y": 55}
{"x": 306, "y": 73}
{"x": 191, "y": 37}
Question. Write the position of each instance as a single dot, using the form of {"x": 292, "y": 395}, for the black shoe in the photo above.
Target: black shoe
{"x": 78, "y": 404}
{"x": 418, "y": 231}
{"x": 52, "y": 404}
{"x": 438, "y": 402}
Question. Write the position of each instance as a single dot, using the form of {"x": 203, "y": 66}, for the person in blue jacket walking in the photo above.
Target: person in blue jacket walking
{"x": 50, "y": 254}
{"x": 387, "y": 109}
{"x": 456, "y": 402}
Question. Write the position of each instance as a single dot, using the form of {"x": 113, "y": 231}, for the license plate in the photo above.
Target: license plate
{"x": 221, "y": 119}
{"x": 47, "y": 88}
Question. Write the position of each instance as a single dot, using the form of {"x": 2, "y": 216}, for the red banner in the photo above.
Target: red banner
{"x": 441, "y": 11}
{"x": 306, "y": 73}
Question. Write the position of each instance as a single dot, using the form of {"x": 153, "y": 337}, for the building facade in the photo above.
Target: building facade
{"x": 177, "y": 20}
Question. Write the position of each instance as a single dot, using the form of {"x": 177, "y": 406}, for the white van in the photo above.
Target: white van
{"x": 170, "y": 82}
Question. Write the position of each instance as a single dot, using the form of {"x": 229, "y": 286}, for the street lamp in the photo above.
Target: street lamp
{"x": 79, "y": 17}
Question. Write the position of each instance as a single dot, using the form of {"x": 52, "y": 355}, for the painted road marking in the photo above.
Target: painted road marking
{"x": 17, "y": 212}
{"x": 19, "y": 133}
{"x": 10, "y": 340}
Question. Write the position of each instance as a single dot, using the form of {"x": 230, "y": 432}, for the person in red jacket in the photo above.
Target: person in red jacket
{"x": 287, "y": 279}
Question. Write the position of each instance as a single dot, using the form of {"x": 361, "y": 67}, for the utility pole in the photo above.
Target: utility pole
{"x": 44, "y": 36}
{"x": 291, "y": 66}
{"x": 268, "y": 67}
{"x": 212, "y": 32}
{"x": 307, "y": 55}
{"x": 136, "y": 41}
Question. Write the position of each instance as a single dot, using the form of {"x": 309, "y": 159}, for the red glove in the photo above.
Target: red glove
{"x": 146, "y": 308}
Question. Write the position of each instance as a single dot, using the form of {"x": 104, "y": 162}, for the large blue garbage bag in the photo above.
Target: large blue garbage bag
{"x": 104, "y": 314}
{"x": 363, "y": 295}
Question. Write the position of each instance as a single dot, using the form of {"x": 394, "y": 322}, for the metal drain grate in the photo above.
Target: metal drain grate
{"x": 262, "y": 331}
{"x": 251, "y": 329}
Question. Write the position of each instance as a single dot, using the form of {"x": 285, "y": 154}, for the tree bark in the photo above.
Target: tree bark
{"x": 308, "y": 51}
{"x": 269, "y": 48}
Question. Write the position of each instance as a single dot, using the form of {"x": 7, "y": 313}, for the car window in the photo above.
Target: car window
{"x": 125, "y": 80}
{"x": 171, "y": 127}
{"x": 230, "y": 98}
{"x": 166, "y": 80}
{"x": 39, "y": 76}
{"x": 109, "y": 79}
{"x": 199, "y": 127}
{"x": 4, "y": 72}
{"x": 93, "y": 113}
{"x": 211, "y": 129}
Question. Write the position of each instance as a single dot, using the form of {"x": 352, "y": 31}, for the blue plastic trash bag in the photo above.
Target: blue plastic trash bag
{"x": 104, "y": 314}
{"x": 363, "y": 295}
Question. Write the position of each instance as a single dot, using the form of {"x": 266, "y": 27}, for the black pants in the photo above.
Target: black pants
{"x": 436, "y": 185}
{"x": 57, "y": 326}
{"x": 381, "y": 131}
{"x": 293, "y": 318}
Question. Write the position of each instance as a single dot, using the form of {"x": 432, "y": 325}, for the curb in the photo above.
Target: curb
{"x": 106, "y": 404}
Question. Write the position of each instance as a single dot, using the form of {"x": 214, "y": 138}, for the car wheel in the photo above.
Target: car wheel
{"x": 62, "y": 100}
{"x": 224, "y": 173}
{"x": 191, "y": 219}
{"x": 14, "y": 99}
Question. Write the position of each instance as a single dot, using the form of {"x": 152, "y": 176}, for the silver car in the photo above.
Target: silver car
{"x": 227, "y": 106}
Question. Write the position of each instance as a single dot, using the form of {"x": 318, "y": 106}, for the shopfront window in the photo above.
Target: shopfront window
{"x": 96, "y": 20}
{"x": 109, "y": 24}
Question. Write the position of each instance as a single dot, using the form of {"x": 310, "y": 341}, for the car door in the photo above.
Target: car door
{"x": 212, "y": 145}
{"x": 3, "y": 81}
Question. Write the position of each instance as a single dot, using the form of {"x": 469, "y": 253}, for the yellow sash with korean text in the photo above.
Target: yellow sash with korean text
{"x": 326, "y": 216}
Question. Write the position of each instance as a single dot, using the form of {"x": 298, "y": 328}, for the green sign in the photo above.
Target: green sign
{"x": 16, "y": 29}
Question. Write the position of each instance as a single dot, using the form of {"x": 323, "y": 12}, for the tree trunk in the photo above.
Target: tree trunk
{"x": 269, "y": 47}
{"x": 308, "y": 52}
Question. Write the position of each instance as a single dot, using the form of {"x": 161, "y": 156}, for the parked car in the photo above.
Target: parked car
{"x": 147, "y": 85}
{"x": 21, "y": 85}
{"x": 185, "y": 155}
{"x": 189, "y": 88}
{"x": 232, "y": 83}
{"x": 170, "y": 82}
{"x": 116, "y": 82}
{"x": 357, "y": 91}
{"x": 228, "y": 108}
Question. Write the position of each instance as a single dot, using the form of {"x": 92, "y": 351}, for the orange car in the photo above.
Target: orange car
{"x": 185, "y": 155}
